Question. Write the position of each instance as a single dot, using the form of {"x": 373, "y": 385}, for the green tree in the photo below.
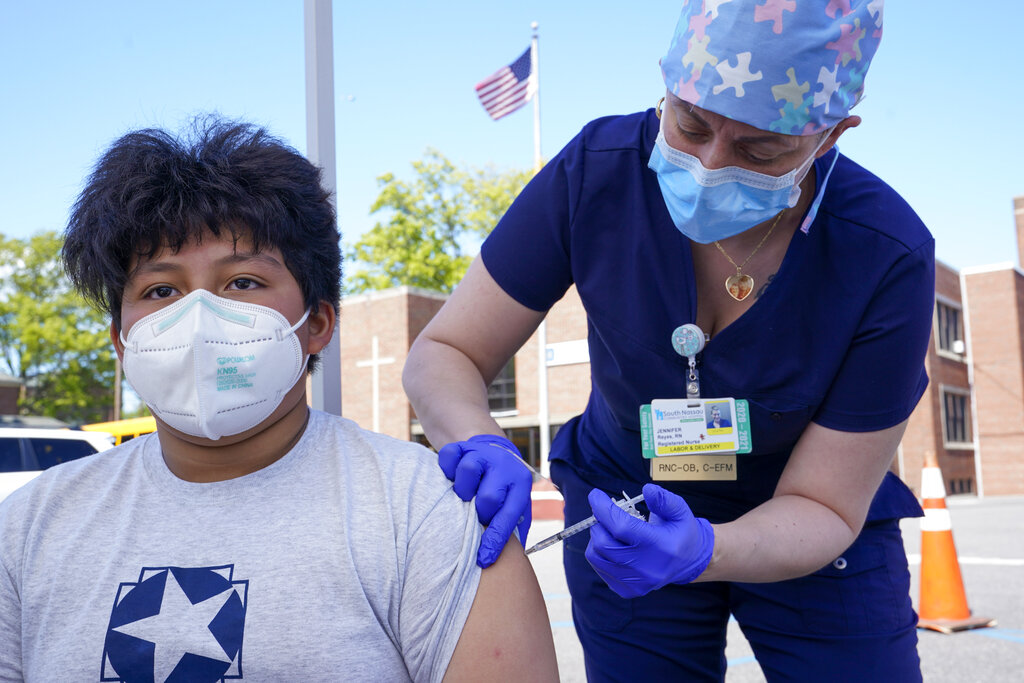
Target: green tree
{"x": 50, "y": 338}
{"x": 426, "y": 223}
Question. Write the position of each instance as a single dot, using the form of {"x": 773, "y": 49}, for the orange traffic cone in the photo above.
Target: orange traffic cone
{"x": 943, "y": 604}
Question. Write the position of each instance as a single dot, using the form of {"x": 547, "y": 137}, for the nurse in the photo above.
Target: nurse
{"x": 810, "y": 282}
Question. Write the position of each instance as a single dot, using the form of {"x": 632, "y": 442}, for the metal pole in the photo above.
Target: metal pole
{"x": 965, "y": 310}
{"x": 117, "y": 388}
{"x": 326, "y": 381}
{"x": 544, "y": 416}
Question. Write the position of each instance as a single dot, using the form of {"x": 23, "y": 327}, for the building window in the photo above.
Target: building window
{"x": 501, "y": 395}
{"x": 956, "y": 417}
{"x": 949, "y": 328}
{"x": 527, "y": 440}
{"x": 961, "y": 486}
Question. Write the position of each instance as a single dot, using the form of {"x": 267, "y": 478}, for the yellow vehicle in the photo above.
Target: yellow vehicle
{"x": 123, "y": 430}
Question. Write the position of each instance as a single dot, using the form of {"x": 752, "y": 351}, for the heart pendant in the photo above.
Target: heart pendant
{"x": 739, "y": 286}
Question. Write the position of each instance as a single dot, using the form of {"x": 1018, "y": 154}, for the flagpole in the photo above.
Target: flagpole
{"x": 544, "y": 417}
{"x": 535, "y": 72}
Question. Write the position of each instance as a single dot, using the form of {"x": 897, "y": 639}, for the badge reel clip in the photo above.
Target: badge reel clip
{"x": 688, "y": 340}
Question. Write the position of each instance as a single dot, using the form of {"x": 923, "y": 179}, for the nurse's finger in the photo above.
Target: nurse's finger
{"x": 468, "y": 474}
{"x": 448, "y": 458}
{"x": 618, "y": 522}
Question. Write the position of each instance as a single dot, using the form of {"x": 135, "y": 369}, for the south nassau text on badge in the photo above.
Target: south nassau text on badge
{"x": 683, "y": 444}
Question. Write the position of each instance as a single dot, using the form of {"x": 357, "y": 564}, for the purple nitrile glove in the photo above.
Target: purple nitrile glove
{"x": 491, "y": 468}
{"x": 635, "y": 557}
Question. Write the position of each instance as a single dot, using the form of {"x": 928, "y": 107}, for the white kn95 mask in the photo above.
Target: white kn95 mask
{"x": 212, "y": 367}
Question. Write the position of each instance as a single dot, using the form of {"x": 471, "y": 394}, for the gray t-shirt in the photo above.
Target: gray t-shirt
{"x": 350, "y": 558}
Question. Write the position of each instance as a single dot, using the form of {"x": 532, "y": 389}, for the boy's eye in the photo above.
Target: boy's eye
{"x": 160, "y": 292}
{"x": 243, "y": 283}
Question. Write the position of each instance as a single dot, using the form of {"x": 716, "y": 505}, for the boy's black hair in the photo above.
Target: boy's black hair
{"x": 152, "y": 189}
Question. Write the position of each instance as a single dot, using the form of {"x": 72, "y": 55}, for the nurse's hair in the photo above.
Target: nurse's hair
{"x": 153, "y": 189}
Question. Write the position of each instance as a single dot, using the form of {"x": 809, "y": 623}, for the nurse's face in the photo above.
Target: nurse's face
{"x": 719, "y": 142}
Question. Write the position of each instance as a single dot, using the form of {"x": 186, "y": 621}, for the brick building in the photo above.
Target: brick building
{"x": 941, "y": 423}
{"x": 971, "y": 416}
{"x": 10, "y": 389}
{"x": 377, "y": 330}
{"x": 994, "y": 305}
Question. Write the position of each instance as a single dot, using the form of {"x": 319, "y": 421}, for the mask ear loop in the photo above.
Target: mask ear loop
{"x": 813, "y": 210}
{"x": 281, "y": 334}
{"x": 305, "y": 358}
{"x": 806, "y": 167}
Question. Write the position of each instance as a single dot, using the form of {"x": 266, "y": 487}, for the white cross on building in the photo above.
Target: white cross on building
{"x": 375, "y": 362}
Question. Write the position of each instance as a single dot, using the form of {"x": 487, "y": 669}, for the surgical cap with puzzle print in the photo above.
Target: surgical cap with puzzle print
{"x": 785, "y": 66}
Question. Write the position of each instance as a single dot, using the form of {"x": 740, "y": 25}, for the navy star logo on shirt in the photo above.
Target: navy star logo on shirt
{"x": 177, "y": 624}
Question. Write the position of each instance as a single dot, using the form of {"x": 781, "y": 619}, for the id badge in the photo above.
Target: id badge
{"x": 694, "y": 439}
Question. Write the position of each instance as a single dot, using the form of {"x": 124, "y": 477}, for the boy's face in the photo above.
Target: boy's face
{"x": 218, "y": 265}
{"x": 233, "y": 271}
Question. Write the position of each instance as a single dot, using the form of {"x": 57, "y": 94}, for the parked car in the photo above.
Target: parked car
{"x": 124, "y": 430}
{"x": 25, "y": 452}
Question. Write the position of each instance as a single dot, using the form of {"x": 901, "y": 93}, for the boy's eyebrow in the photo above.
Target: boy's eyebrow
{"x": 154, "y": 267}
{"x": 151, "y": 267}
{"x": 241, "y": 257}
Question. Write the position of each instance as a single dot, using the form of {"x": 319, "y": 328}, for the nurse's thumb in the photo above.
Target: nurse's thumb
{"x": 665, "y": 506}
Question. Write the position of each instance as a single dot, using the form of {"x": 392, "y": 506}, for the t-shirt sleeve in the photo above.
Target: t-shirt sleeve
{"x": 882, "y": 376}
{"x": 10, "y": 603}
{"x": 528, "y": 252}
{"x": 440, "y": 584}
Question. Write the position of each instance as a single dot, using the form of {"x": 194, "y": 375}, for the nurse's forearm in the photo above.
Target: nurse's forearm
{"x": 819, "y": 507}
{"x": 784, "y": 538}
{"x": 447, "y": 392}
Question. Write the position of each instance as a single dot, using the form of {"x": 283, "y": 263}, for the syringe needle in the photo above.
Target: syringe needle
{"x": 627, "y": 504}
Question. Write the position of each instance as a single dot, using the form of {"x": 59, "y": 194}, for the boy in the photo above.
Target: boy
{"x": 249, "y": 538}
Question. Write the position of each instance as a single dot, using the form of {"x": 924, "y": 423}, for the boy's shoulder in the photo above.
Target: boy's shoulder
{"x": 361, "y": 440}
{"x": 368, "y": 453}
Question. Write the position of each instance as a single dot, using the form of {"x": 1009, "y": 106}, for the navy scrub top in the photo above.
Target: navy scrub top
{"x": 839, "y": 337}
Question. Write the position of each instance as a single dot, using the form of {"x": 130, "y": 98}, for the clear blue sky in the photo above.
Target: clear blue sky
{"x": 941, "y": 116}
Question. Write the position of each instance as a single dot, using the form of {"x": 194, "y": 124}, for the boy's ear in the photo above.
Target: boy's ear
{"x": 321, "y": 327}
{"x": 115, "y": 336}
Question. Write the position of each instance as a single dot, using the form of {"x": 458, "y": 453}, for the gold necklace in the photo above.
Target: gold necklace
{"x": 740, "y": 285}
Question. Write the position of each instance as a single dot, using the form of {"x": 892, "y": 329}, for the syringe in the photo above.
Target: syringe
{"x": 628, "y": 504}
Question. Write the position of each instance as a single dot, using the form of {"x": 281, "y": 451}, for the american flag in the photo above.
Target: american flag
{"x": 507, "y": 89}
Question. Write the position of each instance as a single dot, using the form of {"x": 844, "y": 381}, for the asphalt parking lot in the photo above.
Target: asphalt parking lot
{"x": 989, "y": 536}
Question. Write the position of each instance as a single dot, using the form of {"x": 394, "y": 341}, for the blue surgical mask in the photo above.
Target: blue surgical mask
{"x": 713, "y": 204}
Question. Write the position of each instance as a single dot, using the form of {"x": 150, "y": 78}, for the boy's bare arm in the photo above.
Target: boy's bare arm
{"x": 507, "y": 636}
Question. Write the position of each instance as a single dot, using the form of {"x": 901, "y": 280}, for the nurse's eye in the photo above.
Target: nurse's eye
{"x": 243, "y": 283}
{"x": 760, "y": 158}
{"x": 692, "y": 135}
{"x": 160, "y": 292}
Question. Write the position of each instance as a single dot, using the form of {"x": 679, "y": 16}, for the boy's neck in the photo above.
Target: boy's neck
{"x": 233, "y": 457}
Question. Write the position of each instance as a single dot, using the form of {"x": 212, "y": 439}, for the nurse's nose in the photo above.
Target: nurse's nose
{"x": 717, "y": 153}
